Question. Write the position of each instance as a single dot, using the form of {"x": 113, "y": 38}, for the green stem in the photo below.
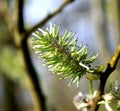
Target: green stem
{"x": 91, "y": 88}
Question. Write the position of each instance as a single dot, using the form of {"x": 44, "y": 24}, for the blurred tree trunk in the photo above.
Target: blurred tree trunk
{"x": 9, "y": 95}
{"x": 98, "y": 15}
{"x": 105, "y": 17}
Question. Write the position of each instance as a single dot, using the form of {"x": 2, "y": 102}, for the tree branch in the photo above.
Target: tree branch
{"x": 32, "y": 75}
{"x": 25, "y": 52}
{"x": 15, "y": 23}
{"x": 19, "y": 15}
{"x": 23, "y": 49}
{"x": 110, "y": 68}
{"x": 16, "y": 26}
{"x": 48, "y": 17}
{"x": 115, "y": 58}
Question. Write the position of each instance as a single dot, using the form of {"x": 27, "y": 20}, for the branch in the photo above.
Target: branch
{"x": 15, "y": 23}
{"x": 19, "y": 15}
{"x": 37, "y": 89}
{"x": 23, "y": 49}
{"x": 48, "y": 17}
{"x": 110, "y": 68}
{"x": 115, "y": 58}
{"x": 16, "y": 27}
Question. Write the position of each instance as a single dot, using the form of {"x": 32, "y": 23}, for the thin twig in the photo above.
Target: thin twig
{"x": 47, "y": 18}
{"x": 19, "y": 14}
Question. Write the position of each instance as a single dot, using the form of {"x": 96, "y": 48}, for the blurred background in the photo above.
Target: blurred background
{"x": 95, "y": 22}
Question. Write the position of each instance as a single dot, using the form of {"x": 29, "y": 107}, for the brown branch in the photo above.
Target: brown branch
{"x": 32, "y": 75}
{"x": 16, "y": 26}
{"x": 19, "y": 15}
{"x": 110, "y": 68}
{"x": 47, "y": 18}
{"x": 23, "y": 49}
{"x": 26, "y": 56}
{"x": 25, "y": 52}
{"x": 15, "y": 23}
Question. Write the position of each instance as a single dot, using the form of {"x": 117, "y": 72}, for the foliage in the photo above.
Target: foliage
{"x": 65, "y": 57}
{"x": 62, "y": 54}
